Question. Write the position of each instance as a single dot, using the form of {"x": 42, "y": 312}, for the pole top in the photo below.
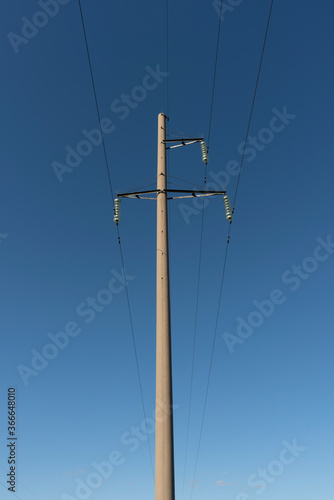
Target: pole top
{"x": 163, "y": 114}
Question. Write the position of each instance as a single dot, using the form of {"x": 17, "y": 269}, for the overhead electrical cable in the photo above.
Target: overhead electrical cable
{"x": 142, "y": 183}
{"x": 167, "y": 155}
{"x": 186, "y": 182}
{"x": 194, "y": 345}
{"x": 12, "y": 492}
{"x": 19, "y": 482}
{"x": 211, "y": 357}
{"x": 200, "y": 252}
{"x": 182, "y": 134}
{"x": 228, "y": 240}
{"x": 95, "y": 98}
{"x": 118, "y": 234}
{"x": 253, "y": 102}
{"x": 167, "y": 59}
{"x": 215, "y": 72}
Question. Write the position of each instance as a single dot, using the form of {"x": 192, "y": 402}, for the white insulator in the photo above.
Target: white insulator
{"x": 117, "y": 213}
{"x": 228, "y": 210}
{"x": 204, "y": 150}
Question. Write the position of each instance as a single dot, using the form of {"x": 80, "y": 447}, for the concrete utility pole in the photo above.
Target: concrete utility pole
{"x": 164, "y": 445}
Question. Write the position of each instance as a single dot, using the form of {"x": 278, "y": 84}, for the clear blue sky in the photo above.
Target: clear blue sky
{"x": 271, "y": 383}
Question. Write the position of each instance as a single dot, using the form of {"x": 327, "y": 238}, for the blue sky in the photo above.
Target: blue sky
{"x": 271, "y": 382}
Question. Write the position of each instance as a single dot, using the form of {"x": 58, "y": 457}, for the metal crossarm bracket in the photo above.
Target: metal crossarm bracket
{"x": 183, "y": 142}
{"x": 189, "y": 193}
{"x": 136, "y": 194}
{"x": 195, "y": 139}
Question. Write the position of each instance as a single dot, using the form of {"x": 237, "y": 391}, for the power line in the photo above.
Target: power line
{"x": 227, "y": 243}
{"x": 194, "y": 341}
{"x": 182, "y": 134}
{"x": 95, "y": 98}
{"x": 200, "y": 253}
{"x": 118, "y": 234}
{"x": 12, "y": 492}
{"x": 253, "y": 101}
{"x": 142, "y": 183}
{"x": 215, "y": 72}
{"x": 211, "y": 358}
{"x": 186, "y": 182}
{"x": 167, "y": 58}
{"x": 19, "y": 482}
